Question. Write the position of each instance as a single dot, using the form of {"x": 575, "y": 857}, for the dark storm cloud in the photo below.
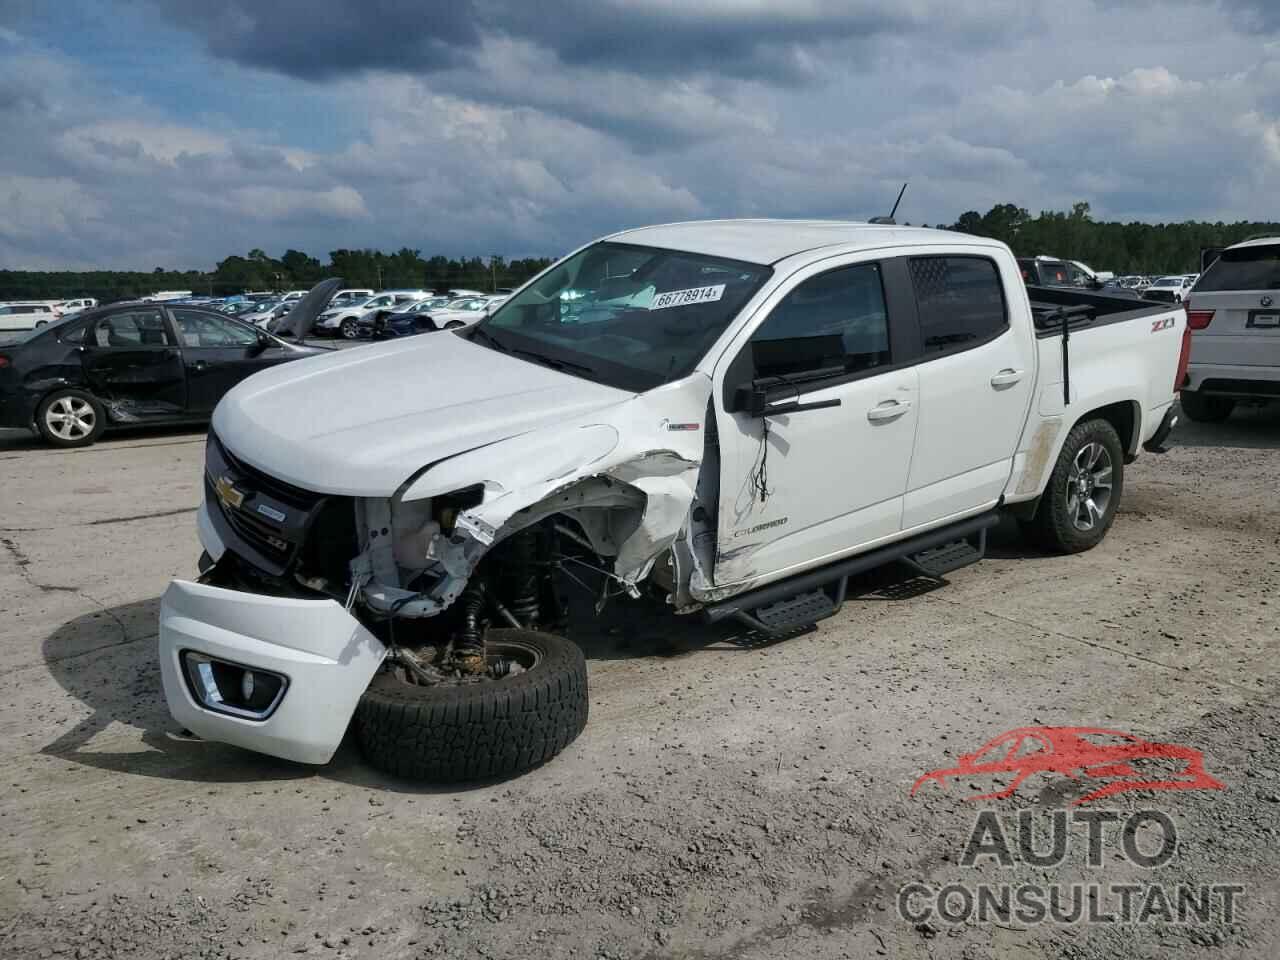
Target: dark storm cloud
{"x": 319, "y": 39}
{"x": 772, "y": 43}
{"x": 1254, "y": 14}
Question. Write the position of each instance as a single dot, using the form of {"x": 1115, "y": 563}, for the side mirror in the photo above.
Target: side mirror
{"x": 264, "y": 341}
{"x": 772, "y": 396}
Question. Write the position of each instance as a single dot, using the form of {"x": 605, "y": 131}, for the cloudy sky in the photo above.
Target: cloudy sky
{"x": 143, "y": 133}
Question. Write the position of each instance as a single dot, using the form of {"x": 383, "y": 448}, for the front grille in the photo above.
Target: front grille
{"x": 1164, "y": 296}
{"x": 266, "y": 539}
{"x": 294, "y": 496}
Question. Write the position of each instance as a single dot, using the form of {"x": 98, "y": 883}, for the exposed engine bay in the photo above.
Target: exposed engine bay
{"x": 432, "y": 568}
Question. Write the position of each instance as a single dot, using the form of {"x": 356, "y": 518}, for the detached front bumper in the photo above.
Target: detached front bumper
{"x": 324, "y": 655}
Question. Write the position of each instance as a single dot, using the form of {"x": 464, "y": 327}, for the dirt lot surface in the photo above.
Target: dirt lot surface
{"x": 725, "y": 800}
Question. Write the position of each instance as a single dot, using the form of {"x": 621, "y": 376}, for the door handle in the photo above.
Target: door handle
{"x": 888, "y": 410}
{"x": 1006, "y": 377}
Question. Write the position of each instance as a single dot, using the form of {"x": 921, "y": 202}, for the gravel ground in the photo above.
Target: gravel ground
{"x": 726, "y": 800}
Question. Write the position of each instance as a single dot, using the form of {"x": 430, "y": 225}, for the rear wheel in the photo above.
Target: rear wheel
{"x": 1084, "y": 490}
{"x": 70, "y": 418}
{"x": 482, "y": 728}
{"x": 1206, "y": 408}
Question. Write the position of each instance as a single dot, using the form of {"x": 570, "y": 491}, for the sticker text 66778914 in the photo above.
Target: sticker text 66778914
{"x": 683, "y": 298}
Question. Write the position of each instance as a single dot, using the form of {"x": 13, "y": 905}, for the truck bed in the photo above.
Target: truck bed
{"x": 1095, "y": 308}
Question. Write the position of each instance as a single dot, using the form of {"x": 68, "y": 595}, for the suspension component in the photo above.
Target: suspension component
{"x": 518, "y": 577}
{"x": 468, "y": 639}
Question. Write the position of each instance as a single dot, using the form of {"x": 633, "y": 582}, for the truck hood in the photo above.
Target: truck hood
{"x": 360, "y": 422}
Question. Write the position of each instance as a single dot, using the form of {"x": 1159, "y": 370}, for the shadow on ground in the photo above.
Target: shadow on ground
{"x": 19, "y": 441}
{"x": 1256, "y": 428}
{"x": 108, "y": 661}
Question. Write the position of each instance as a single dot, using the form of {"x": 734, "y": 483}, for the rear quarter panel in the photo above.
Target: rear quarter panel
{"x": 1130, "y": 361}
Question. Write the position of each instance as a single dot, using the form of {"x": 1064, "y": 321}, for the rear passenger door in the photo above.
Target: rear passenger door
{"x": 977, "y": 372}
{"x": 130, "y": 361}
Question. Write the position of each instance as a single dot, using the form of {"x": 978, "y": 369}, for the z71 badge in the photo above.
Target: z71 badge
{"x": 1164, "y": 324}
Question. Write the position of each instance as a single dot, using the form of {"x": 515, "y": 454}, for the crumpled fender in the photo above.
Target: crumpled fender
{"x": 644, "y": 452}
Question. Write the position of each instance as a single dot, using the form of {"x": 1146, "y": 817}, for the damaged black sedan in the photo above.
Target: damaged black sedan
{"x": 129, "y": 365}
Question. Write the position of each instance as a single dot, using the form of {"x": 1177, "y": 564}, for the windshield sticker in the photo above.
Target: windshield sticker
{"x": 683, "y": 298}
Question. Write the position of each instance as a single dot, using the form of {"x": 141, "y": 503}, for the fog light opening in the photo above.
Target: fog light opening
{"x": 232, "y": 688}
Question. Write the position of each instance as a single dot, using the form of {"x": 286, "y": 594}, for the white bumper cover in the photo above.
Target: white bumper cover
{"x": 326, "y": 654}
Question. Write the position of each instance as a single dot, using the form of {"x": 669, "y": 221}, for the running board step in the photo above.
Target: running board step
{"x": 938, "y": 561}
{"x": 834, "y": 576}
{"x": 800, "y": 611}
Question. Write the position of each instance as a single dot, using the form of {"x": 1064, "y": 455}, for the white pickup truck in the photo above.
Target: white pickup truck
{"x": 737, "y": 415}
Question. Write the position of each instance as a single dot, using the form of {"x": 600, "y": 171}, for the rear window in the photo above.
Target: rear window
{"x": 960, "y": 302}
{"x": 1248, "y": 268}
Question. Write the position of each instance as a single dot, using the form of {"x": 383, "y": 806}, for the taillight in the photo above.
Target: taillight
{"x": 1198, "y": 319}
{"x": 1184, "y": 358}
{"x": 4, "y": 361}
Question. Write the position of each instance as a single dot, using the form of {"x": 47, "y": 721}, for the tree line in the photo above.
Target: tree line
{"x": 256, "y": 271}
{"x": 1125, "y": 248}
{"x": 1122, "y": 247}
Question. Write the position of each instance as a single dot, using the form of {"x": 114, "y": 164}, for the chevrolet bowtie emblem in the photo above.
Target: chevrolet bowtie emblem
{"x": 228, "y": 494}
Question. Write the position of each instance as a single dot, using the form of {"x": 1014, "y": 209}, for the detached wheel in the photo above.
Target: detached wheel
{"x": 70, "y": 418}
{"x": 1084, "y": 490}
{"x": 447, "y": 733}
{"x": 1205, "y": 409}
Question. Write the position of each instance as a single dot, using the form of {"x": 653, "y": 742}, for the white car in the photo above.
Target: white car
{"x": 25, "y": 316}
{"x": 345, "y": 320}
{"x": 464, "y": 311}
{"x": 1171, "y": 289}
{"x": 67, "y": 307}
{"x": 709, "y": 439}
{"x": 263, "y": 313}
{"x": 1234, "y": 315}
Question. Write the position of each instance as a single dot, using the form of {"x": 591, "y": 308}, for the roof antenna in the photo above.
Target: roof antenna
{"x": 889, "y": 219}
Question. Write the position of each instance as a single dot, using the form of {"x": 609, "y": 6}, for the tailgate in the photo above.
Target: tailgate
{"x": 1239, "y": 328}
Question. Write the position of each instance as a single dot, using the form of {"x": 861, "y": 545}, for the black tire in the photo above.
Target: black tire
{"x": 1205, "y": 408}
{"x": 349, "y": 329}
{"x": 454, "y": 325}
{"x": 1053, "y": 526}
{"x": 67, "y": 398}
{"x": 477, "y": 731}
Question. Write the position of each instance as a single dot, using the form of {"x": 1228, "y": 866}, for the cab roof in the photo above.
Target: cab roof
{"x": 768, "y": 241}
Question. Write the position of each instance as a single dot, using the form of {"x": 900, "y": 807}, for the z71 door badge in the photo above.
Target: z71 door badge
{"x": 1165, "y": 324}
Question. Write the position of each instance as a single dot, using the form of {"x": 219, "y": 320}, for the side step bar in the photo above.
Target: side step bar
{"x": 799, "y": 601}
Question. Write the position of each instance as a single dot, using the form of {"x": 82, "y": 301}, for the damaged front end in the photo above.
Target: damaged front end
{"x": 411, "y": 583}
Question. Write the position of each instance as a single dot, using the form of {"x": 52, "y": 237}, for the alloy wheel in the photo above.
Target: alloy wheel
{"x": 1089, "y": 486}
{"x": 70, "y": 418}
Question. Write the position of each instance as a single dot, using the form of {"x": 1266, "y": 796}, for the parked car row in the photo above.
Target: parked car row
{"x": 133, "y": 363}
{"x": 414, "y": 311}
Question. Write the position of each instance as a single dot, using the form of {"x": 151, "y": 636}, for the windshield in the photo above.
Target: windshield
{"x": 1168, "y": 282}
{"x": 628, "y": 316}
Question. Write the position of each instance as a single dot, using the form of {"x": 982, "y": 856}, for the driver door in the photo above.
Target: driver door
{"x": 827, "y": 474}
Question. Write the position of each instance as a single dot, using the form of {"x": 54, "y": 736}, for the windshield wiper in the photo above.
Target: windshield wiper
{"x": 553, "y": 362}
{"x": 489, "y": 338}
